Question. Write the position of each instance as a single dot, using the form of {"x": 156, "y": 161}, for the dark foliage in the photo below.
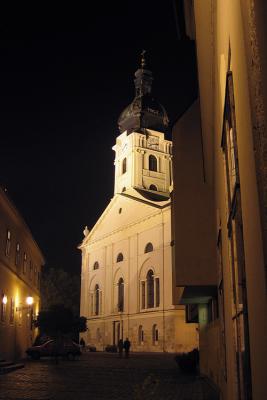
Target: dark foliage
{"x": 60, "y": 320}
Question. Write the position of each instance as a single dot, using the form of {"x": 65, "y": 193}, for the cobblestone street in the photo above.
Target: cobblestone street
{"x": 104, "y": 376}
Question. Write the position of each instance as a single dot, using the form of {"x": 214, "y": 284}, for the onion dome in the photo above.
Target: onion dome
{"x": 144, "y": 112}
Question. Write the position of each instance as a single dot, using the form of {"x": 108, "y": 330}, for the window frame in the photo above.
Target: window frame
{"x": 152, "y": 163}
{"x": 124, "y": 166}
{"x": 120, "y": 257}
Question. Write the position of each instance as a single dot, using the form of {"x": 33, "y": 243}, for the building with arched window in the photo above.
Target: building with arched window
{"x": 132, "y": 241}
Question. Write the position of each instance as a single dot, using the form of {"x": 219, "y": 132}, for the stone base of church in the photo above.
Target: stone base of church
{"x": 174, "y": 334}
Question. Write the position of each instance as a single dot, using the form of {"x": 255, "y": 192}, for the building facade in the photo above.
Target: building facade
{"x": 220, "y": 246}
{"x": 20, "y": 267}
{"x": 126, "y": 288}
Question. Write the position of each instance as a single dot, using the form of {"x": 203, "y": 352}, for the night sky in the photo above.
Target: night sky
{"x": 65, "y": 77}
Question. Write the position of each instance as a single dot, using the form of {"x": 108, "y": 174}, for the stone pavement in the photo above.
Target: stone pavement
{"x": 104, "y": 376}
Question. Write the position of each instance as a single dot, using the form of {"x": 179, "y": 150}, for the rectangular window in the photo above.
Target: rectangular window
{"x": 30, "y": 270}
{"x": 157, "y": 292}
{"x": 191, "y": 313}
{"x": 8, "y": 242}
{"x": 143, "y": 295}
{"x": 35, "y": 275}
{"x": 12, "y": 311}
{"x": 24, "y": 263}
{"x": 17, "y": 257}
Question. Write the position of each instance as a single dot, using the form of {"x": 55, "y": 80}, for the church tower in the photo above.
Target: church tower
{"x": 127, "y": 268}
{"x": 143, "y": 156}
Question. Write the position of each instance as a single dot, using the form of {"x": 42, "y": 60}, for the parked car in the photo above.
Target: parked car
{"x": 64, "y": 347}
{"x": 90, "y": 347}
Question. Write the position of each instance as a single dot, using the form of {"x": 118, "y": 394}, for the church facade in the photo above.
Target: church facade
{"x": 127, "y": 271}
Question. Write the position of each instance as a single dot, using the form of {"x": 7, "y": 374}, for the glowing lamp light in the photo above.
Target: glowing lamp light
{"x": 4, "y": 300}
{"x": 29, "y": 300}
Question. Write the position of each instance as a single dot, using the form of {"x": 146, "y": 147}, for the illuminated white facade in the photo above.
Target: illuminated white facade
{"x": 127, "y": 278}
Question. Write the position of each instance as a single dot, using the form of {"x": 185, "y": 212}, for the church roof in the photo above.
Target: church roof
{"x": 144, "y": 112}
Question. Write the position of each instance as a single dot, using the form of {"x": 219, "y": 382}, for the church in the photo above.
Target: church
{"x": 127, "y": 268}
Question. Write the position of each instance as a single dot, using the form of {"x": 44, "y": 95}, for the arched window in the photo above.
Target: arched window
{"x": 121, "y": 295}
{"x": 149, "y": 247}
{"x": 96, "y": 265}
{"x": 119, "y": 257}
{"x": 97, "y": 300}
{"x": 150, "y": 289}
{"x": 124, "y": 165}
{"x": 140, "y": 335}
{"x": 155, "y": 334}
{"x": 153, "y": 187}
{"x": 153, "y": 164}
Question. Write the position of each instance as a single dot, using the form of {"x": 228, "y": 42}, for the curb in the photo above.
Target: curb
{"x": 9, "y": 367}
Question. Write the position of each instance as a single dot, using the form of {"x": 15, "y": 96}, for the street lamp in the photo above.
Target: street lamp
{"x": 29, "y": 300}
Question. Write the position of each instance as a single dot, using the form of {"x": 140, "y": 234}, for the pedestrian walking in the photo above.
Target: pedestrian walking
{"x": 127, "y": 345}
{"x": 120, "y": 347}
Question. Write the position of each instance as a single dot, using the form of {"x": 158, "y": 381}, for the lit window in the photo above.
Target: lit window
{"x": 119, "y": 257}
{"x": 153, "y": 164}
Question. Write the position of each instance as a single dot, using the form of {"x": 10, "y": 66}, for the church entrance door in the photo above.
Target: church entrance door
{"x": 117, "y": 331}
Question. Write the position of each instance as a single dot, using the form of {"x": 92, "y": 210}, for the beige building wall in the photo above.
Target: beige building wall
{"x": 20, "y": 268}
{"x": 229, "y": 39}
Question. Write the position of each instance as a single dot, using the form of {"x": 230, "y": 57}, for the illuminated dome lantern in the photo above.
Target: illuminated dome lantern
{"x": 144, "y": 112}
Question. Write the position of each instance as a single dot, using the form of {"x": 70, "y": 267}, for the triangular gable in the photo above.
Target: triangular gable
{"x": 122, "y": 211}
